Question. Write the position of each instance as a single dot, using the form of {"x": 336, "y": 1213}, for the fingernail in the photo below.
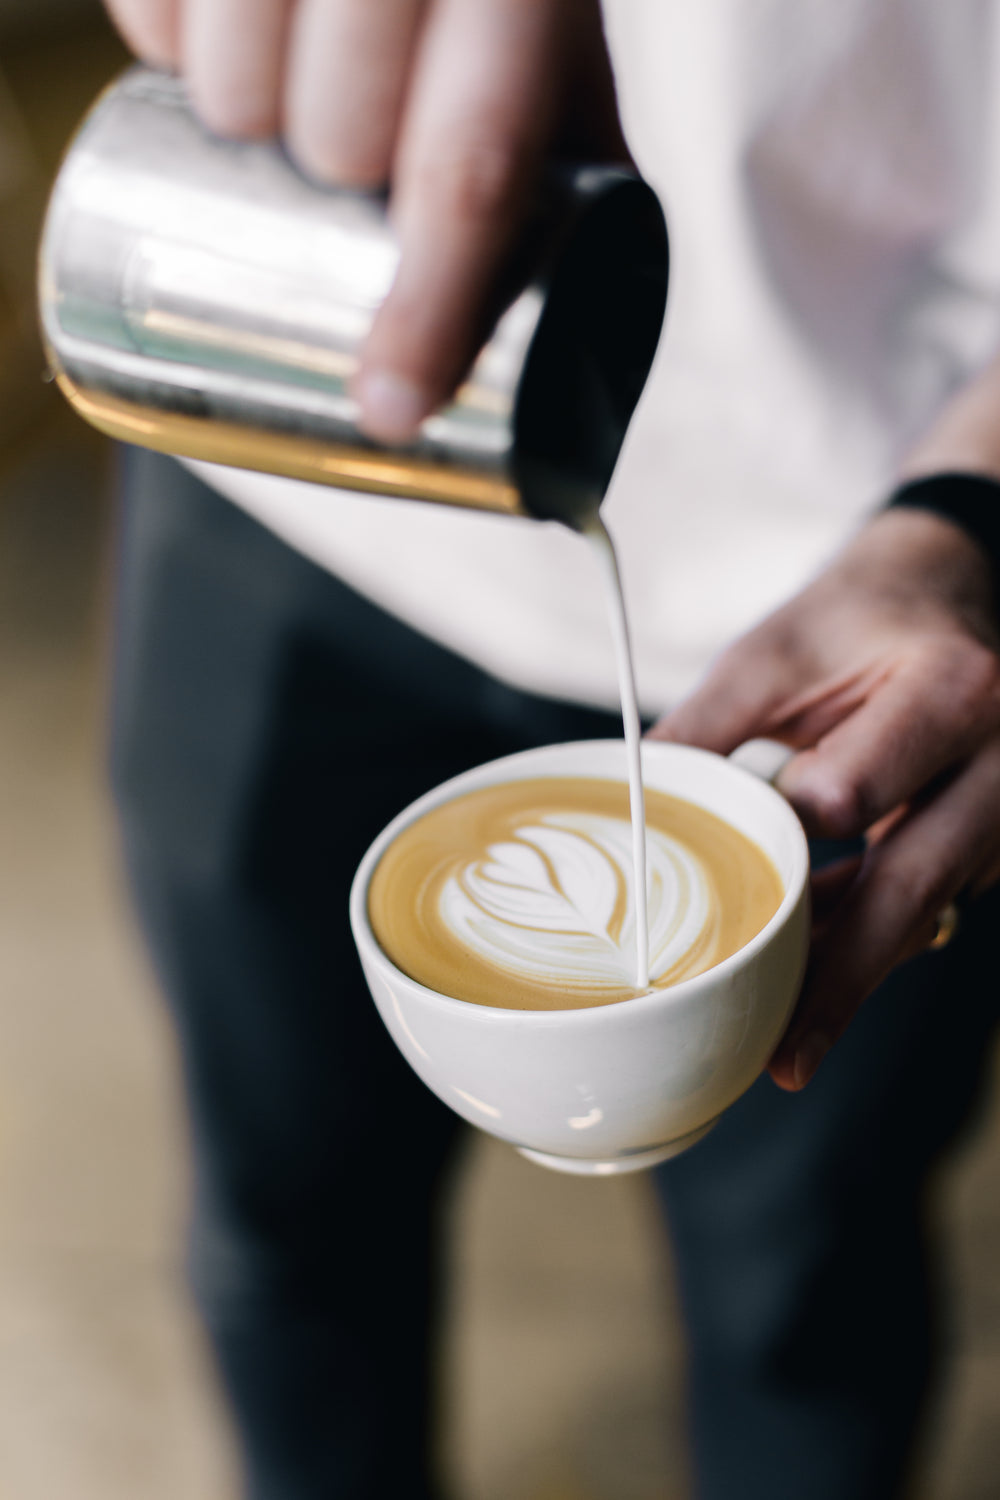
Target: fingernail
{"x": 808, "y": 1057}
{"x": 392, "y": 407}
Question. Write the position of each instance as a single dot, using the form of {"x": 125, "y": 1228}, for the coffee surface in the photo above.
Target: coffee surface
{"x": 520, "y": 895}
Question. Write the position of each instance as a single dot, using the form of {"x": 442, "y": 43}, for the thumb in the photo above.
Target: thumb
{"x": 737, "y": 701}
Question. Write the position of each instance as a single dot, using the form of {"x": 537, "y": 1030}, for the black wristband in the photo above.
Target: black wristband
{"x": 971, "y": 501}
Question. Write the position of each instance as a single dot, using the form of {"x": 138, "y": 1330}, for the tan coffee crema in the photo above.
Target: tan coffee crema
{"x": 520, "y": 895}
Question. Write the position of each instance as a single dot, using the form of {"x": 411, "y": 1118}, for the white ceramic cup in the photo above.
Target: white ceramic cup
{"x": 617, "y": 1087}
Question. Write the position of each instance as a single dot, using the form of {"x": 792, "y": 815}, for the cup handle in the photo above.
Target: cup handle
{"x": 763, "y": 758}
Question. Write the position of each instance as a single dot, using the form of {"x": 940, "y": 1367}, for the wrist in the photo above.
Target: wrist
{"x": 919, "y": 560}
{"x": 968, "y": 501}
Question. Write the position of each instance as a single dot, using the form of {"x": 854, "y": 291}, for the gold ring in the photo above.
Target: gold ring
{"x": 947, "y": 926}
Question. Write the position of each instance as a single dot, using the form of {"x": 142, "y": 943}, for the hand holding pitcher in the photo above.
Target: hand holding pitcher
{"x": 456, "y": 104}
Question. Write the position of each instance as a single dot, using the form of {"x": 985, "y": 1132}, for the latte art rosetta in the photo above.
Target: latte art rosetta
{"x": 520, "y": 895}
{"x": 555, "y": 904}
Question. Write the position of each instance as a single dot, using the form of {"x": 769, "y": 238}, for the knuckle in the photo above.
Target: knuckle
{"x": 836, "y": 806}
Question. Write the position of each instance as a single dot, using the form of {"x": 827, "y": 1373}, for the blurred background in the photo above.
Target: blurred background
{"x": 563, "y": 1379}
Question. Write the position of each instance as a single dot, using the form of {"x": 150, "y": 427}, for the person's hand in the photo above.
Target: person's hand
{"x": 455, "y": 102}
{"x": 884, "y": 676}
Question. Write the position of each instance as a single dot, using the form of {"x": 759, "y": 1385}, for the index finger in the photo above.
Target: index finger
{"x": 477, "y": 120}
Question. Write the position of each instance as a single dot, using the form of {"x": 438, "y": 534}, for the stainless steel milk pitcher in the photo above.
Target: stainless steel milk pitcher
{"x": 201, "y": 297}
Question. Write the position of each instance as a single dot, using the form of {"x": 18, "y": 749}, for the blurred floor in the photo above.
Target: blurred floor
{"x": 564, "y": 1376}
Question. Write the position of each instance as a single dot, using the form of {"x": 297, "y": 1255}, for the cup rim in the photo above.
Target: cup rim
{"x": 672, "y": 995}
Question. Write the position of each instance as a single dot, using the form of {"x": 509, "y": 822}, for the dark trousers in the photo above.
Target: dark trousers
{"x": 267, "y": 722}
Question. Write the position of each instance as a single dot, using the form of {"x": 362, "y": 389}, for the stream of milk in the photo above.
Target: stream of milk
{"x": 604, "y": 548}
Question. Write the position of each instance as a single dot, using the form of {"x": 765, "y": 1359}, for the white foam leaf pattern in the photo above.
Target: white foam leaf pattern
{"x": 543, "y": 904}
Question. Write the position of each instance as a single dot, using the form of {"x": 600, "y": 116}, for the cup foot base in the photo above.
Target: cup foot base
{"x": 613, "y": 1166}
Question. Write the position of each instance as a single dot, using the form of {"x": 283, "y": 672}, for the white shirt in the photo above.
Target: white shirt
{"x": 831, "y": 176}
